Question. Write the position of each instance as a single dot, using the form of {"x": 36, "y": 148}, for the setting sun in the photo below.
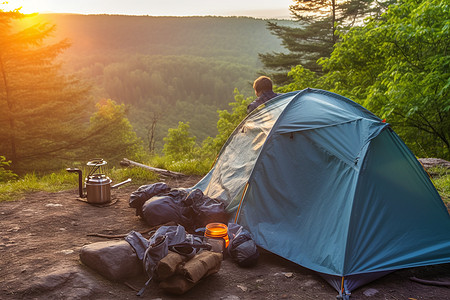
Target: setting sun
{"x": 26, "y": 7}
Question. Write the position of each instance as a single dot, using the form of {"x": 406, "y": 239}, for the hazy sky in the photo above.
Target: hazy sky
{"x": 253, "y": 8}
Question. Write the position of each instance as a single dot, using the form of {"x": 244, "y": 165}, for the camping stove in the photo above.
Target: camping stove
{"x": 97, "y": 184}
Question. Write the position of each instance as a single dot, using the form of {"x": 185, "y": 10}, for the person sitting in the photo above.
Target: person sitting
{"x": 263, "y": 90}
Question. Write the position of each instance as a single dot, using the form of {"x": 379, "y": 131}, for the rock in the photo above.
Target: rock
{"x": 242, "y": 287}
{"x": 70, "y": 282}
{"x": 14, "y": 229}
{"x": 230, "y": 297}
{"x": 370, "y": 292}
{"x": 434, "y": 162}
{"x": 115, "y": 260}
{"x": 308, "y": 283}
{"x": 53, "y": 205}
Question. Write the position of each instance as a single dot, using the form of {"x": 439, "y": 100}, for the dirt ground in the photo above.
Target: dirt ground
{"x": 41, "y": 237}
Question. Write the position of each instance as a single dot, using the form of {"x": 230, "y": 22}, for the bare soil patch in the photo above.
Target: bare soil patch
{"x": 42, "y": 234}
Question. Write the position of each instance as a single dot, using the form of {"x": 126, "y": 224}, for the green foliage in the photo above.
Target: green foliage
{"x": 302, "y": 78}
{"x": 116, "y": 138}
{"x": 5, "y": 175}
{"x": 182, "y": 154}
{"x": 178, "y": 142}
{"x": 440, "y": 177}
{"x": 398, "y": 67}
{"x": 228, "y": 121}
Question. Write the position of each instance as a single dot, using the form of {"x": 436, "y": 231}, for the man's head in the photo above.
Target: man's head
{"x": 262, "y": 84}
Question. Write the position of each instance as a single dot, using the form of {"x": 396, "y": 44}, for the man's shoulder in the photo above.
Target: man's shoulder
{"x": 266, "y": 96}
{"x": 257, "y": 102}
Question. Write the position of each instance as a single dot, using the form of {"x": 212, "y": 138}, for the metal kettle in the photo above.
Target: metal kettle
{"x": 97, "y": 184}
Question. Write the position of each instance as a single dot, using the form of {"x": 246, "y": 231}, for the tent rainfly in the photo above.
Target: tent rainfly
{"x": 321, "y": 181}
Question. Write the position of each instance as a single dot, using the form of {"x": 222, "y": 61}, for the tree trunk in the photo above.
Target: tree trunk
{"x": 11, "y": 106}
{"x": 334, "y": 21}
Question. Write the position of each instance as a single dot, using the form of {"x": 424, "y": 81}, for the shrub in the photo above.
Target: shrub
{"x": 5, "y": 175}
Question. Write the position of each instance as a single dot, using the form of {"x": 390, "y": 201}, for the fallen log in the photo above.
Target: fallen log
{"x": 127, "y": 162}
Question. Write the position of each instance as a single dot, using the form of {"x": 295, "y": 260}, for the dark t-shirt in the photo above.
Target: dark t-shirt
{"x": 265, "y": 96}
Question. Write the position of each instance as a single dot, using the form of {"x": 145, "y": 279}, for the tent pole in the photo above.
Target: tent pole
{"x": 240, "y": 202}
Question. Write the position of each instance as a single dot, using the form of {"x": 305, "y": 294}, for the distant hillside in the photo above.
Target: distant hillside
{"x": 235, "y": 38}
{"x": 177, "y": 68}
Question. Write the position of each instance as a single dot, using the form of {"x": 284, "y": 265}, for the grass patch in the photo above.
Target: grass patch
{"x": 63, "y": 180}
{"x": 139, "y": 176}
{"x": 54, "y": 182}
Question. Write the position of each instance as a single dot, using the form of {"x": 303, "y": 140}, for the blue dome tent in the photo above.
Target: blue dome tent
{"x": 321, "y": 181}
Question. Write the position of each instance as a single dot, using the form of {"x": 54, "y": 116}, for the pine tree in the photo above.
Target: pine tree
{"x": 42, "y": 109}
{"x": 316, "y": 33}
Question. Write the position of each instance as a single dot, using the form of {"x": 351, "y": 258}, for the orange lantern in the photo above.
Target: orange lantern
{"x": 217, "y": 233}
